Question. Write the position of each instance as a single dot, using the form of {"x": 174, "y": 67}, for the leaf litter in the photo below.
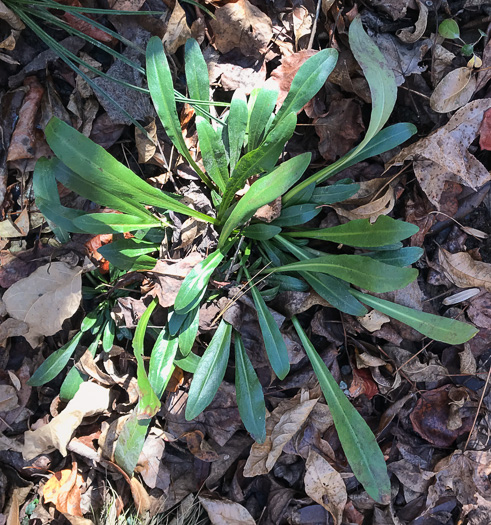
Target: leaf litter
{"x": 427, "y": 399}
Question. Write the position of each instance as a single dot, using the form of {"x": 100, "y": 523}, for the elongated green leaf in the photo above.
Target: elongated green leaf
{"x": 439, "y": 328}
{"x": 259, "y": 115}
{"x": 302, "y": 197}
{"x": 162, "y": 362}
{"x": 257, "y": 161}
{"x": 97, "y": 223}
{"x": 236, "y": 126}
{"x": 188, "y": 332}
{"x": 250, "y": 397}
{"x": 130, "y": 441}
{"x": 307, "y": 82}
{"x": 261, "y": 231}
{"x": 213, "y": 153}
{"x": 108, "y": 335}
{"x": 129, "y": 254}
{"x": 363, "y": 234}
{"x": 196, "y": 73}
{"x": 55, "y": 363}
{"x": 401, "y": 257}
{"x": 356, "y": 269}
{"x": 287, "y": 283}
{"x": 358, "y": 442}
{"x": 189, "y": 363}
{"x": 175, "y": 321}
{"x": 210, "y": 371}
{"x": 337, "y": 192}
{"x": 273, "y": 340}
{"x": 162, "y": 92}
{"x": 298, "y": 214}
{"x": 103, "y": 174}
{"x": 196, "y": 281}
{"x": 265, "y": 190}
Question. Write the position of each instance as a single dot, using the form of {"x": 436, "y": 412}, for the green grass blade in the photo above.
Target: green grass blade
{"x": 358, "y": 442}
{"x": 210, "y": 372}
{"x": 213, "y": 153}
{"x": 250, "y": 397}
{"x": 97, "y": 223}
{"x": 197, "y": 78}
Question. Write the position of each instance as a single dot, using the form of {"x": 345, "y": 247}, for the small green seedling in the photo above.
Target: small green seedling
{"x": 450, "y": 29}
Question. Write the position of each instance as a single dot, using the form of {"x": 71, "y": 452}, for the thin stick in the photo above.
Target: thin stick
{"x": 314, "y": 25}
{"x": 478, "y": 409}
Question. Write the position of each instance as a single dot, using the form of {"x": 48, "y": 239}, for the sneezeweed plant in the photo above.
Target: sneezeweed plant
{"x": 244, "y": 143}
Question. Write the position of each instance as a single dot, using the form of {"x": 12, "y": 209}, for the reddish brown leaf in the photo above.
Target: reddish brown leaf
{"x": 63, "y": 489}
{"x": 363, "y": 384}
{"x": 485, "y": 131}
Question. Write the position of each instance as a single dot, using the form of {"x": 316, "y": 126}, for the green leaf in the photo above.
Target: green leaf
{"x": 175, "y": 321}
{"x": 108, "y": 335}
{"x": 449, "y": 29}
{"x": 189, "y": 363}
{"x": 356, "y": 269}
{"x": 55, "y": 363}
{"x": 213, "y": 153}
{"x": 250, "y": 397}
{"x": 287, "y": 283}
{"x": 162, "y": 362}
{"x": 161, "y": 88}
{"x": 337, "y": 192}
{"x": 194, "y": 285}
{"x": 363, "y": 234}
{"x": 97, "y": 223}
{"x": 309, "y": 79}
{"x": 210, "y": 372}
{"x": 130, "y": 442}
{"x": 358, "y": 442}
{"x": 262, "y": 108}
{"x": 258, "y": 161}
{"x": 273, "y": 340}
{"x": 302, "y": 197}
{"x": 129, "y": 254}
{"x": 261, "y": 231}
{"x": 467, "y": 50}
{"x": 435, "y": 327}
{"x": 265, "y": 190}
{"x": 196, "y": 69}
{"x": 401, "y": 257}
{"x": 188, "y": 332}
{"x": 236, "y": 126}
{"x": 101, "y": 178}
{"x": 298, "y": 214}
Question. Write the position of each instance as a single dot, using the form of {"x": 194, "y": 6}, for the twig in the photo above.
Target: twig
{"x": 314, "y": 25}
{"x": 478, "y": 409}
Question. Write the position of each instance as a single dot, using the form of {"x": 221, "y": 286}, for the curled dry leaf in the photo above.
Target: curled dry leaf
{"x": 140, "y": 497}
{"x": 444, "y": 156}
{"x": 407, "y": 35}
{"x": 243, "y": 25}
{"x": 8, "y": 398}
{"x": 177, "y": 31}
{"x": 226, "y": 512}
{"x": 45, "y": 299}
{"x": 10, "y": 17}
{"x": 63, "y": 490}
{"x": 146, "y": 146}
{"x": 325, "y": 486}
{"x": 464, "y": 271}
{"x": 373, "y": 320}
{"x": 454, "y": 90}
{"x": 90, "y": 399}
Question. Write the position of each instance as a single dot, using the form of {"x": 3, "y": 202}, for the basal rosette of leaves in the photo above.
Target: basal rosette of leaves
{"x": 247, "y": 142}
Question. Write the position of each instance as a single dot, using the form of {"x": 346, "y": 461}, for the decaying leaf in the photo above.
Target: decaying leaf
{"x": 485, "y": 131}
{"x": 63, "y": 489}
{"x": 409, "y": 36}
{"x": 89, "y": 400}
{"x": 146, "y": 146}
{"x": 45, "y": 299}
{"x": 444, "y": 156}
{"x": 325, "y": 486}
{"x": 9, "y": 16}
{"x": 454, "y": 90}
{"x": 8, "y": 398}
{"x": 140, "y": 496}
{"x": 226, "y": 512}
{"x": 177, "y": 30}
{"x": 373, "y": 320}
{"x": 464, "y": 271}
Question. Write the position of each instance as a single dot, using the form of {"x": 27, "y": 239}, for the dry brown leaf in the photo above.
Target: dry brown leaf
{"x": 12, "y": 328}
{"x": 14, "y": 517}
{"x": 140, "y": 497}
{"x": 302, "y": 23}
{"x": 243, "y": 25}
{"x": 373, "y": 320}
{"x": 443, "y": 60}
{"x": 63, "y": 490}
{"x": 91, "y": 399}
{"x": 407, "y": 35}
{"x": 381, "y": 203}
{"x": 10, "y": 17}
{"x": 464, "y": 271}
{"x": 226, "y": 512}
{"x": 443, "y": 155}
{"x": 45, "y": 299}
{"x": 126, "y": 5}
{"x": 177, "y": 31}
{"x": 8, "y": 398}
{"x": 325, "y": 486}
{"x": 454, "y": 90}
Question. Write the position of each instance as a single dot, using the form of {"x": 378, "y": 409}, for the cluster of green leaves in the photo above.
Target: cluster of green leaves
{"x": 449, "y": 28}
{"x": 248, "y": 141}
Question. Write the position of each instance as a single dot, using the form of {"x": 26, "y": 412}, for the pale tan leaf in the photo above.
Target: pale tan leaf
{"x": 45, "y": 299}
{"x": 302, "y": 23}
{"x": 10, "y": 17}
{"x": 325, "y": 486}
{"x": 454, "y": 90}
{"x": 407, "y": 35}
{"x": 91, "y": 399}
{"x": 177, "y": 30}
{"x": 8, "y": 398}
{"x": 464, "y": 271}
{"x": 140, "y": 497}
{"x": 461, "y": 296}
{"x": 12, "y": 328}
{"x": 145, "y": 146}
{"x": 372, "y": 210}
{"x": 373, "y": 320}
{"x": 326, "y": 5}
{"x": 226, "y": 512}
{"x": 14, "y": 517}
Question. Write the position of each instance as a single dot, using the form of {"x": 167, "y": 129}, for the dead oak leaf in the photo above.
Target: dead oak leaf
{"x": 63, "y": 490}
{"x": 464, "y": 271}
{"x": 243, "y": 25}
{"x": 444, "y": 156}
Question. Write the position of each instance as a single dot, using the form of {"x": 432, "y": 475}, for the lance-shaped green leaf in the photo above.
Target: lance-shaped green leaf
{"x": 358, "y": 442}
{"x": 236, "y": 126}
{"x": 309, "y": 79}
{"x": 188, "y": 332}
{"x": 162, "y": 361}
{"x": 401, "y": 257}
{"x": 108, "y": 335}
{"x": 55, "y": 363}
{"x": 209, "y": 372}
{"x": 161, "y": 88}
{"x": 97, "y": 223}
{"x": 257, "y": 161}
{"x": 298, "y": 214}
{"x": 194, "y": 285}
{"x": 356, "y": 269}
{"x": 261, "y": 231}
{"x": 250, "y": 397}
{"x": 130, "y": 254}
{"x": 337, "y": 192}
{"x": 363, "y": 234}
{"x": 265, "y": 190}
{"x": 273, "y": 340}
{"x": 196, "y": 69}
{"x": 189, "y": 363}
{"x": 103, "y": 179}
{"x": 435, "y": 327}
{"x": 263, "y": 105}
{"x": 213, "y": 153}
